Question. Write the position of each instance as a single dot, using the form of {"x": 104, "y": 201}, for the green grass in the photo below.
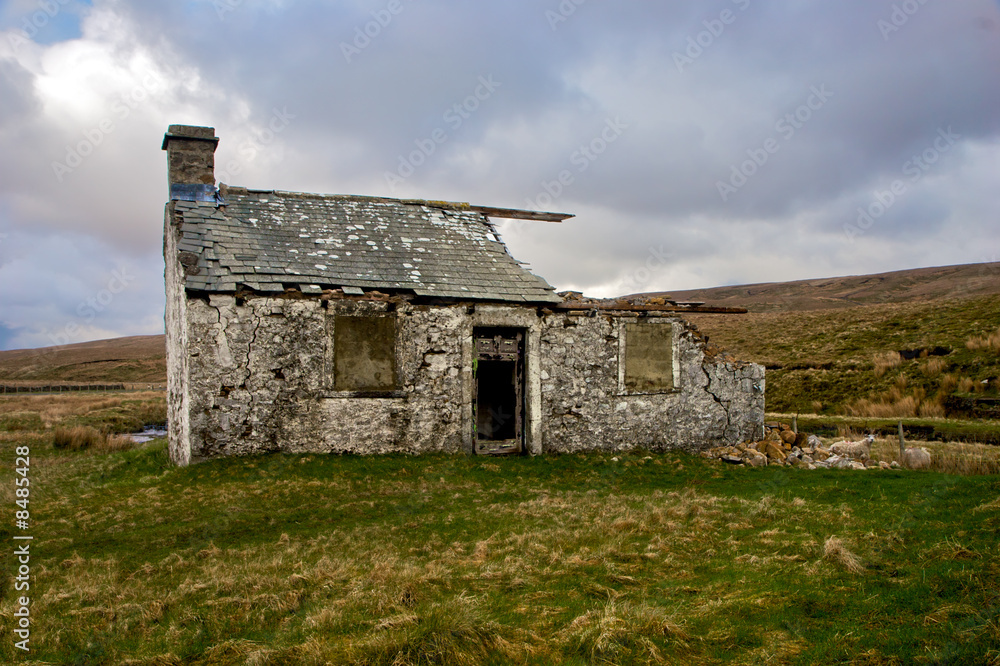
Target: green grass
{"x": 129, "y": 416}
{"x": 826, "y": 357}
{"x": 580, "y": 559}
{"x": 19, "y": 421}
{"x": 946, "y": 430}
{"x": 112, "y": 412}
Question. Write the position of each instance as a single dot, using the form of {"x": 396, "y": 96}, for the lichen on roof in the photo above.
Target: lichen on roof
{"x": 268, "y": 240}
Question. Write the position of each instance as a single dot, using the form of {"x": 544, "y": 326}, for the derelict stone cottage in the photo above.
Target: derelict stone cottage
{"x": 350, "y": 324}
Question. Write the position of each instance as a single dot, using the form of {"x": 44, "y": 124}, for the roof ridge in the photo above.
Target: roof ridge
{"x": 461, "y": 206}
{"x": 451, "y": 205}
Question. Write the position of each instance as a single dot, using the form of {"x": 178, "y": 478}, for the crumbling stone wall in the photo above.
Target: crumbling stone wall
{"x": 257, "y": 376}
{"x": 261, "y": 379}
{"x": 586, "y": 405}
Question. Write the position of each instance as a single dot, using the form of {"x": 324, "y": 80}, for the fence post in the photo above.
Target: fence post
{"x": 902, "y": 442}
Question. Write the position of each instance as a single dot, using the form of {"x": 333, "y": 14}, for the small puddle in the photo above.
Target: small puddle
{"x": 149, "y": 433}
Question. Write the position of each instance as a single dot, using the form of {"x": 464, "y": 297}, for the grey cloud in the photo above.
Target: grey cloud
{"x": 560, "y": 82}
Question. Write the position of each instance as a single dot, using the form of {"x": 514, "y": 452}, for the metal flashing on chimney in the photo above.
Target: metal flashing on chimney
{"x": 187, "y": 192}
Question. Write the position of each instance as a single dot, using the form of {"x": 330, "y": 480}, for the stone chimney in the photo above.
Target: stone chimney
{"x": 191, "y": 162}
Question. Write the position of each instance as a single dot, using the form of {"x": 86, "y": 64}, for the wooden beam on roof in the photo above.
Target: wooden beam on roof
{"x": 515, "y": 214}
{"x": 625, "y": 307}
{"x": 490, "y": 211}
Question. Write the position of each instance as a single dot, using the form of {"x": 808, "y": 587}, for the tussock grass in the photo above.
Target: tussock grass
{"x": 886, "y": 361}
{"x": 839, "y": 357}
{"x": 967, "y": 459}
{"x": 935, "y": 367}
{"x": 85, "y": 438}
{"x": 455, "y": 631}
{"x": 77, "y": 439}
{"x": 118, "y": 413}
{"x": 650, "y": 559}
{"x": 835, "y": 551}
{"x": 989, "y": 342}
{"x": 900, "y": 401}
{"x": 598, "y": 558}
{"x": 623, "y": 633}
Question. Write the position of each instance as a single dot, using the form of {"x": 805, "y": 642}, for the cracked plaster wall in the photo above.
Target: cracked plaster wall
{"x": 258, "y": 377}
{"x": 586, "y": 406}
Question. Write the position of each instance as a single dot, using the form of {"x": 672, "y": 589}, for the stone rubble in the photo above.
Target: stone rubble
{"x": 782, "y": 446}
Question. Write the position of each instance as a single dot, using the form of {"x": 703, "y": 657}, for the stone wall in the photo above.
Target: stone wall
{"x": 178, "y": 368}
{"x": 586, "y": 405}
{"x": 258, "y": 376}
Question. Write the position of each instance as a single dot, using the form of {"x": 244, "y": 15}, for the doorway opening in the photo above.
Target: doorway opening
{"x": 498, "y": 404}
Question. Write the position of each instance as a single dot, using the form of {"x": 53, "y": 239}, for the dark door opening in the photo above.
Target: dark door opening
{"x": 498, "y": 406}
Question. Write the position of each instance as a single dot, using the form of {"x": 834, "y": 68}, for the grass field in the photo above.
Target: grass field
{"x": 982, "y": 431}
{"x": 848, "y": 362}
{"x": 139, "y": 359}
{"x": 585, "y": 559}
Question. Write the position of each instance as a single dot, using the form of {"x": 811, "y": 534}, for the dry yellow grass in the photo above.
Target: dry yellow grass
{"x": 619, "y": 633}
{"x": 948, "y": 457}
{"x": 114, "y": 443}
{"x": 55, "y": 408}
{"x": 77, "y": 439}
{"x": 885, "y": 408}
{"x": 990, "y": 342}
{"x": 389, "y": 599}
{"x": 948, "y": 384}
{"x": 835, "y": 551}
{"x": 900, "y": 402}
{"x": 886, "y": 361}
{"x": 85, "y": 438}
{"x": 935, "y": 366}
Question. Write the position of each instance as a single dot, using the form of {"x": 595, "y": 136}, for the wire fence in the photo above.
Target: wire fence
{"x": 69, "y": 388}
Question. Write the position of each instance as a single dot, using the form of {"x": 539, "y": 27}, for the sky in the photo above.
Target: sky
{"x": 698, "y": 144}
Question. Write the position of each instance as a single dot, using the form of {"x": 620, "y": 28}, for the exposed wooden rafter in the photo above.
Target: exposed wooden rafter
{"x": 515, "y": 214}
{"x": 628, "y": 307}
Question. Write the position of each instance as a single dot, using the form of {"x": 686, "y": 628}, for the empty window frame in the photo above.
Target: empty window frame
{"x": 364, "y": 354}
{"x": 647, "y": 360}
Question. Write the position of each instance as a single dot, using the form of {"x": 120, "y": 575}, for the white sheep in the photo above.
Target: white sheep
{"x": 861, "y": 450}
{"x": 916, "y": 458}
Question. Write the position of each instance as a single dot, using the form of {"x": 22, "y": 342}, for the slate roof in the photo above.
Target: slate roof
{"x": 268, "y": 240}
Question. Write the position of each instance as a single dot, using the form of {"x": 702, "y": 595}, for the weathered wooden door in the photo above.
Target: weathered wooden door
{"x": 498, "y": 402}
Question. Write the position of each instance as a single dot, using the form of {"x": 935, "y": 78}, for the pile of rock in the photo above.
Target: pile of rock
{"x": 783, "y": 446}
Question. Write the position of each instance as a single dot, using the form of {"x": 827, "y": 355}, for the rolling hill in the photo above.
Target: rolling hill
{"x": 910, "y": 286}
{"x": 133, "y": 359}
{"x": 829, "y": 344}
